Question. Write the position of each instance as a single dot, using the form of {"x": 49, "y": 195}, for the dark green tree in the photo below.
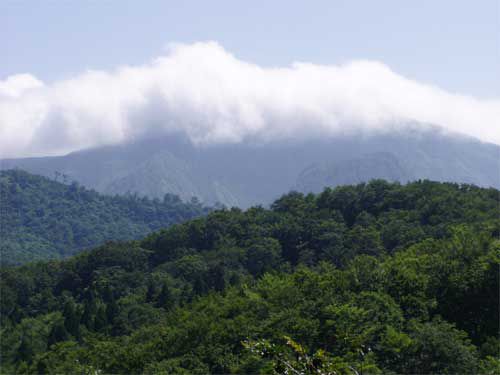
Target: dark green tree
{"x": 57, "y": 333}
{"x": 165, "y": 298}
{"x": 199, "y": 285}
{"x": 112, "y": 311}
{"x": 25, "y": 351}
{"x": 71, "y": 319}
{"x": 89, "y": 312}
{"x": 216, "y": 278}
{"x": 100, "y": 320}
{"x": 151, "y": 290}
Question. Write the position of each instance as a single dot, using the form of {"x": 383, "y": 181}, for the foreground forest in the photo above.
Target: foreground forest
{"x": 374, "y": 278}
{"x": 44, "y": 219}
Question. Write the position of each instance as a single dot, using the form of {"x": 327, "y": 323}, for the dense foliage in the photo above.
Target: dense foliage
{"x": 42, "y": 218}
{"x": 373, "y": 278}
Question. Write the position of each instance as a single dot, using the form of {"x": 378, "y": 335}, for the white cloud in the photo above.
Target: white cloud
{"x": 18, "y": 84}
{"x": 204, "y": 91}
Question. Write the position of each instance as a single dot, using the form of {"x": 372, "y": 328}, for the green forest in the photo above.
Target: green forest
{"x": 377, "y": 278}
{"x": 45, "y": 219}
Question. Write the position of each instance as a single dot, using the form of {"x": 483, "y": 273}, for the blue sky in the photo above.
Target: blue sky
{"x": 453, "y": 44}
{"x": 78, "y": 74}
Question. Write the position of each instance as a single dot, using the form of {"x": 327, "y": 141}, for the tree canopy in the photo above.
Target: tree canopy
{"x": 373, "y": 278}
{"x": 44, "y": 219}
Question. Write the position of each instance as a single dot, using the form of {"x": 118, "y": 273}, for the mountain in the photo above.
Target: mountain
{"x": 42, "y": 219}
{"x": 376, "y": 278}
{"x": 253, "y": 173}
{"x": 367, "y": 167}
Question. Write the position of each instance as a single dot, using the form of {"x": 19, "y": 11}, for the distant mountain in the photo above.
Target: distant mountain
{"x": 370, "y": 166}
{"x": 246, "y": 174}
{"x": 44, "y": 219}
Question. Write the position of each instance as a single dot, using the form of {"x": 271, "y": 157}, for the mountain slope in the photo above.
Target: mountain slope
{"x": 379, "y": 165}
{"x": 378, "y": 277}
{"x": 42, "y": 219}
{"x": 257, "y": 173}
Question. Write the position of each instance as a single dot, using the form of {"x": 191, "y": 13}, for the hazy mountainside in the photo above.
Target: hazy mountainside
{"x": 376, "y": 278}
{"x": 42, "y": 218}
{"x": 371, "y": 166}
{"x": 248, "y": 174}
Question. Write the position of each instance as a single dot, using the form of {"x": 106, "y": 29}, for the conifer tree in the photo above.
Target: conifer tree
{"x": 89, "y": 312}
{"x": 71, "y": 319}
{"x": 165, "y": 299}
{"x": 57, "y": 333}
{"x": 100, "y": 321}
{"x": 25, "y": 351}
{"x": 151, "y": 291}
{"x": 112, "y": 311}
{"x": 199, "y": 286}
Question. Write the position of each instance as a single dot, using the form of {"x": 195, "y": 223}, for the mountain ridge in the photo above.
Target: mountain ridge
{"x": 247, "y": 174}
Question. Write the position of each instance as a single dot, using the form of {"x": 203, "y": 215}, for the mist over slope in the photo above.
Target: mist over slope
{"x": 198, "y": 121}
{"x": 210, "y": 96}
{"x": 252, "y": 173}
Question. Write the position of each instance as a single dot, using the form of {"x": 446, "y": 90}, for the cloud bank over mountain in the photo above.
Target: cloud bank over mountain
{"x": 203, "y": 91}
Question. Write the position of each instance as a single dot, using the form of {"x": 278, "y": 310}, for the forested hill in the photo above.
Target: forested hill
{"x": 42, "y": 218}
{"x": 376, "y": 278}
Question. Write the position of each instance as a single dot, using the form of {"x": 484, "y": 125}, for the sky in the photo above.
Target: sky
{"x": 444, "y": 52}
